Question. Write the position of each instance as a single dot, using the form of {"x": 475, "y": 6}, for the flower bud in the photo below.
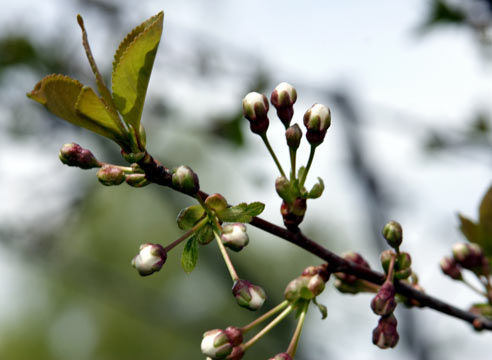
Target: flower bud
{"x": 293, "y": 135}
{"x": 384, "y": 302}
{"x": 255, "y": 109}
{"x": 393, "y": 234}
{"x": 321, "y": 270}
{"x": 248, "y": 295}
{"x": 385, "y": 258}
{"x": 317, "y": 120}
{"x": 216, "y": 202}
{"x": 385, "y": 334}
{"x": 237, "y": 353}
{"x": 471, "y": 257}
{"x": 281, "y": 356}
{"x": 132, "y": 157}
{"x": 316, "y": 285}
{"x": 234, "y": 236}
{"x": 216, "y": 344}
{"x": 284, "y": 189}
{"x": 150, "y": 259}
{"x": 75, "y": 155}
{"x": 110, "y": 175}
{"x": 293, "y": 213}
{"x": 185, "y": 180}
{"x": 294, "y": 288}
{"x": 137, "y": 180}
{"x": 355, "y": 258}
{"x": 403, "y": 263}
{"x": 283, "y": 98}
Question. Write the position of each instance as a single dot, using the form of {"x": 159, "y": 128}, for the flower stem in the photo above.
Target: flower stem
{"x": 391, "y": 267}
{"x": 292, "y": 164}
{"x": 270, "y": 150}
{"x": 269, "y": 327}
{"x": 291, "y": 350}
{"x": 308, "y": 166}
{"x": 186, "y": 235}
{"x": 226, "y": 257}
{"x": 473, "y": 287}
{"x": 265, "y": 316}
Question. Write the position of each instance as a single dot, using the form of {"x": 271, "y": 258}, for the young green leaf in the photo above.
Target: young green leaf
{"x": 189, "y": 216}
{"x": 241, "y": 213}
{"x": 322, "y": 309}
{"x": 190, "y": 255}
{"x": 68, "y": 99}
{"x": 317, "y": 190}
{"x": 132, "y": 67}
{"x": 300, "y": 172}
{"x": 205, "y": 234}
{"x": 469, "y": 229}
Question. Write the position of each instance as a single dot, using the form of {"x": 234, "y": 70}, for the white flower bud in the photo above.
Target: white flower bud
{"x": 317, "y": 120}
{"x": 255, "y": 109}
{"x": 216, "y": 344}
{"x": 248, "y": 295}
{"x": 234, "y": 236}
{"x": 150, "y": 259}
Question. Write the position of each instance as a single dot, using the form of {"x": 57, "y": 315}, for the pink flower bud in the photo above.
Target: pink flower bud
{"x": 110, "y": 175}
{"x": 385, "y": 334}
{"x": 317, "y": 121}
{"x": 234, "y": 236}
{"x": 283, "y": 98}
{"x": 75, "y": 155}
{"x": 384, "y": 302}
{"x": 451, "y": 268}
{"x": 248, "y": 295}
{"x": 150, "y": 259}
{"x": 255, "y": 109}
{"x": 185, "y": 180}
{"x": 281, "y": 356}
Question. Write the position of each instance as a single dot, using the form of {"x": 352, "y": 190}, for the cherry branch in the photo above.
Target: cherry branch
{"x": 160, "y": 175}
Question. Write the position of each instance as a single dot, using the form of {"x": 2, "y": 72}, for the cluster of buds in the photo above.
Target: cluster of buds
{"x": 150, "y": 259}
{"x": 248, "y": 295}
{"x": 317, "y": 120}
{"x": 221, "y": 344}
{"x": 350, "y": 284}
{"x": 308, "y": 285}
{"x": 471, "y": 257}
{"x": 74, "y": 155}
{"x": 396, "y": 265}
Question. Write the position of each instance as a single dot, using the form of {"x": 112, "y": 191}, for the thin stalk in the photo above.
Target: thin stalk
{"x": 186, "y": 235}
{"x": 291, "y": 350}
{"x": 265, "y": 316}
{"x": 270, "y": 150}
{"x": 308, "y": 166}
{"x": 292, "y": 164}
{"x": 226, "y": 257}
{"x": 473, "y": 287}
{"x": 391, "y": 267}
{"x": 267, "y": 328}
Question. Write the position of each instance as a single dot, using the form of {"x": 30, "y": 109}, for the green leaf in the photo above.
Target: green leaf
{"x": 241, "y": 213}
{"x": 485, "y": 211}
{"x": 190, "y": 255}
{"x": 300, "y": 172}
{"x": 70, "y": 100}
{"x": 470, "y": 229}
{"x": 317, "y": 190}
{"x": 205, "y": 234}
{"x": 132, "y": 67}
{"x": 322, "y": 309}
{"x": 189, "y": 216}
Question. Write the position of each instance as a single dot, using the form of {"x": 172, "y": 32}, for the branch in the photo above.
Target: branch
{"x": 160, "y": 175}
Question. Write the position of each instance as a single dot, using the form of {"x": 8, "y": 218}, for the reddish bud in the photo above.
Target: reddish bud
{"x": 317, "y": 121}
{"x": 451, "y": 268}
{"x": 281, "y": 356}
{"x": 110, "y": 175}
{"x": 75, "y": 155}
{"x": 384, "y": 302}
{"x": 255, "y": 109}
{"x": 283, "y": 98}
{"x": 385, "y": 334}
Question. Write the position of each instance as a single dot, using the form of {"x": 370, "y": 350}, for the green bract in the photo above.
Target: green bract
{"x": 70, "y": 100}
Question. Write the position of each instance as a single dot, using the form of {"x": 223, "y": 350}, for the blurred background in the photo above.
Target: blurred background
{"x": 410, "y": 88}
